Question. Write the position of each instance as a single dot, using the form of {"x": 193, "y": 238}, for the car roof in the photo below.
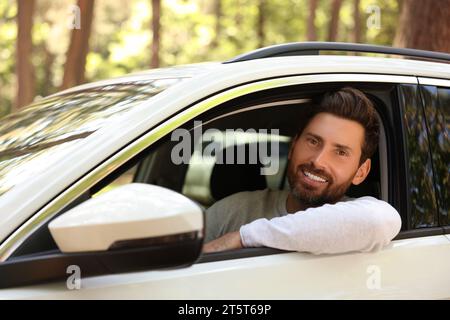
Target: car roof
{"x": 379, "y": 65}
{"x": 181, "y": 71}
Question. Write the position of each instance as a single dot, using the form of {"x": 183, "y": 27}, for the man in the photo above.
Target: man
{"x": 331, "y": 151}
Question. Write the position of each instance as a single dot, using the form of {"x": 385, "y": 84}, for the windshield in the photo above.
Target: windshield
{"x": 40, "y": 135}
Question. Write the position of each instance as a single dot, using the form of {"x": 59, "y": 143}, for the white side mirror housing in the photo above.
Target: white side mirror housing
{"x": 130, "y": 212}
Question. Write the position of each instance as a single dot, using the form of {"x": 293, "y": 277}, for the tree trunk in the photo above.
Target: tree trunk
{"x": 48, "y": 71}
{"x": 312, "y": 35}
{"x": 25, "y": 70}
{"x": 333, "y": 26}
{"x": 156, "y": 26}
{"x": 260, "y": 23}
{"x": 74, "y": 68}
{"x": 357, "y": 22}
{"x": 424, "y": 25}
{"x": 218, "y": 27}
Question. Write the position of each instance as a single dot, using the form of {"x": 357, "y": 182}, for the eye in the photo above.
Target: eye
{"x": 342, "y": 153}
{"x": 312, "y": 141}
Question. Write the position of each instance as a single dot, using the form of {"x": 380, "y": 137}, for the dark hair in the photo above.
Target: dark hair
{"x": 352, "y": 104}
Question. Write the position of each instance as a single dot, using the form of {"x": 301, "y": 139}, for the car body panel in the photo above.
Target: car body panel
{"x": 448, "y": 236}
{"x": 434, "y": 82}
{"x": 182, "y": 71}
{"x": 406, "y": 269}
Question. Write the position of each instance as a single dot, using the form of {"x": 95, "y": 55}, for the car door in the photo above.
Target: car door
{"x": 394, "y": 272}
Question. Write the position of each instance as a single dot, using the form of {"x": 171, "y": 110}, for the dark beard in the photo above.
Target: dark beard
{"x": 305, "y": 196}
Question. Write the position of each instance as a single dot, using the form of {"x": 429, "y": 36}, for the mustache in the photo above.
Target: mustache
{"x": 318, "y": 172}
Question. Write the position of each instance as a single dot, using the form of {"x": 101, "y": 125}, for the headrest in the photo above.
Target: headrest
{"x": 227, "y": 179}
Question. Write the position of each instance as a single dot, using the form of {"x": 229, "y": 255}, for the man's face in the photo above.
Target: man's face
{"x": 324, "y": 160}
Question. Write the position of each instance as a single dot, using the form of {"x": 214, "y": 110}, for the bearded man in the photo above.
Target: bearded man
{"x": 330, "y": 152}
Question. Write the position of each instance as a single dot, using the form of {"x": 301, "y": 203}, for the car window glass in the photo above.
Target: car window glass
{"x": 125, "y": 178}
{"x": 37, "y": 137}
{"x": 423, "y": 207}
{"x": 437, "y": 110}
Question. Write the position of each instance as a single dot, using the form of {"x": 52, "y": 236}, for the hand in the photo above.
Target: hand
{"x": 229, "y": 241}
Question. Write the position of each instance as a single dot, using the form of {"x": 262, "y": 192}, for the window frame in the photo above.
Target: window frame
{"x": 158, "y": 131}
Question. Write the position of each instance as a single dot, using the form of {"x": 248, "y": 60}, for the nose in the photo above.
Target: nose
{"x": 320, "y": 159}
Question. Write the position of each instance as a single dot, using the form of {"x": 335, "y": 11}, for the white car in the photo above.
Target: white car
{"x": 93, "y": 205}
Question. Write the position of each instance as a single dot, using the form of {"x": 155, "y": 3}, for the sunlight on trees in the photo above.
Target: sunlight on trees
{"x": 191, "y": 31}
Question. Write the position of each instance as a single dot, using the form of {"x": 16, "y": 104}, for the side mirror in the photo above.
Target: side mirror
{"x": 129, "y": 216}
{"x": 130, "y": 228}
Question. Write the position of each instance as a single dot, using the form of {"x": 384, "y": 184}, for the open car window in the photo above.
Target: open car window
{"x": 206, "y": 169}
{"x": 206, "y": 177}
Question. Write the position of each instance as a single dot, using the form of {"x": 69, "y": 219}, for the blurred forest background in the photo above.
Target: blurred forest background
{"x": 48, "y": 45}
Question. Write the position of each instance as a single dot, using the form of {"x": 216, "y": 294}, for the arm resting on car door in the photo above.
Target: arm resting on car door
{"x": 363, "y": 224}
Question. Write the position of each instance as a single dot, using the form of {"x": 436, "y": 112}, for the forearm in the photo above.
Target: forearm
{"x": 229, "y": 241}
{"x": 363, "y": 224}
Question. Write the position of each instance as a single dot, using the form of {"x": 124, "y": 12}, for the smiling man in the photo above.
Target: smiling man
{"x": 330, "y": 152}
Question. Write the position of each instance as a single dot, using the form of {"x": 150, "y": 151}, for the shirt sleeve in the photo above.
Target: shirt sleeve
{"x": 364, "y": 224}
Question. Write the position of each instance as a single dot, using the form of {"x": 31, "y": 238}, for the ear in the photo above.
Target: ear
{"x": 362, "y": 172}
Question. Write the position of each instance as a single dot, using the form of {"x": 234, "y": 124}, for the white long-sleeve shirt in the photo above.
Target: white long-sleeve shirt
{"x": 363, "y": 224}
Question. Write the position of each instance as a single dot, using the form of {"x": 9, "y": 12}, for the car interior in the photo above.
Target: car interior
{"x": 281, "y": 115}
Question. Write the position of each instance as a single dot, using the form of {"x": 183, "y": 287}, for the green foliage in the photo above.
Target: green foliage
{"x": 8, "y": 34}
{"x": 121, "y": 35}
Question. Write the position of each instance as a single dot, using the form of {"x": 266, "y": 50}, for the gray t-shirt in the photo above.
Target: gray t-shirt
{"x": 230, "y": 213}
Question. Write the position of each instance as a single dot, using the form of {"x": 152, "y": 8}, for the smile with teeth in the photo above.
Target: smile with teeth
{"x": 314, "y": 177}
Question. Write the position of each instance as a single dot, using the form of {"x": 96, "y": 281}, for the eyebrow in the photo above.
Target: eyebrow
{"x": 340, "y": 146}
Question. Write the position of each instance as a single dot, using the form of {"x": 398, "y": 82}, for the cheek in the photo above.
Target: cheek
{"x": 344, "y": 171}
{"x": 300, "y": 153}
